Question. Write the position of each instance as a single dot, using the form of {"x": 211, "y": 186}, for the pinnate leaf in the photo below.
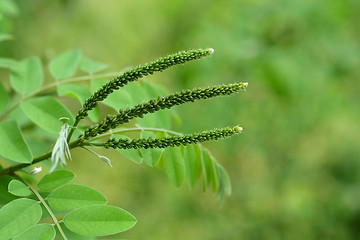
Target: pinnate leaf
{"x": 27, "y": 76}
{"x": 40, "y": 231}
{"x": 99, "y": 220}
{"x": 45, "y": 112}
{"x": 13, "y": 145}
{"x": 55, "y": 179}
{"x": 65, "y": 64}
{"x": 17, "y": 216}
{"x": 73, "y": 196}
{"x": 18, "y": 188}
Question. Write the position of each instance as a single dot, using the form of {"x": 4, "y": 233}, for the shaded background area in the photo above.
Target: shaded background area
{"x": 296, "y": 168}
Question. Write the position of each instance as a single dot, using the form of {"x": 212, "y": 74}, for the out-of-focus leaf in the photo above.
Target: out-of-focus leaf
{"x": 4, "y": 98}
{"x": 8, "y": 63}
{"x": 192, "y": 157}
{"x": 99, "y": 220}
{"x": 9, "y": 7}
{"x": 13, "y": 145}
{"x": 73, "y": 196}
{"x": 209, "y": 170}
{"x": 55, "y": 179}
{"x": 224, "y": 181}
{"x": 81, "y": 93}
{"x": 27, "y": 76}
{"x": 46, "y": 112}
{"x": 17, "y": 216}
{"x": 65, "y": 64}
{"x": 40, "y": 231}
{"x": 91, "y": 66}
{"x": 18, "y": 188}
{"x": 5, "y": 36}
{"x": 174, "y": 165}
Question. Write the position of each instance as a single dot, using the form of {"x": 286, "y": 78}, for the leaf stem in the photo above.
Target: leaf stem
{"x": 52, "y": 215}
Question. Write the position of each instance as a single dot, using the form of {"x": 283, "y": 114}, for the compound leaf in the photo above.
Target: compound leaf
{"x": 13, "y": 145}
{"x": 40, "y": 231}
{"x": 45, "y": 112}
{"x": 65, "y": 64}
{"x": 18, "y": 188}
{"x": 55, "y": 179}
{"x": 74, "y": 196}
{"x": 99, "y": 220}
{"x": 27, "y": 76}
{"x": 17, "y": 216}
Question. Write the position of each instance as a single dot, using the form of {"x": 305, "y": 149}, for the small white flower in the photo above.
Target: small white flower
{"x": 36, "y": 170}
{"x": 61, "y": 150}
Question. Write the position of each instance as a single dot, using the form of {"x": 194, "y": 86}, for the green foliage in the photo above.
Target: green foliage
{"x": 37, "y": 124}
{"x": 180, "y": 154}
{"x": 13, "y": 145}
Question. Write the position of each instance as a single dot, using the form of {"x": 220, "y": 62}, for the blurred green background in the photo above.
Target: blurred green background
{"x": 296, "y": 168}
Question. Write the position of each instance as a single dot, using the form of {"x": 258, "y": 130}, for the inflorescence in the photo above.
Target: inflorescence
{"x": 156, "y": 104}
{"x": 173, "y": 141}
{"x": 137, "y": 73}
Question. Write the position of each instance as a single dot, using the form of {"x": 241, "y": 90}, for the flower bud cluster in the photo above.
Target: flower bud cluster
{"x": 139, "y": 72}
{"x": 156, "y": 104}
{"x": 173, "y": 141}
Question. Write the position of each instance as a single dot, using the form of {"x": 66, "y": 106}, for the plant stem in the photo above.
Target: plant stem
{"x": 44, "y": 203}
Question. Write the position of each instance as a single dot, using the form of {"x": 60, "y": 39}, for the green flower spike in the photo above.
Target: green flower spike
{"x": 173, "y": 141}
{"x": 156, "y": 104}
{"x": 137, "y": 73}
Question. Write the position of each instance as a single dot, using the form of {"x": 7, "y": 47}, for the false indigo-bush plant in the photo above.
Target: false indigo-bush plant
{"x": 85, "y": 209}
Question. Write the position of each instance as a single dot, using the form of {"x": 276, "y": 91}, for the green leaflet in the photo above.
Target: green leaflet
{"x": 99, "y": 220}
{"x": 81, "y": 93}
{"x": 73, "y": 196}
{"x": 174, "y": 165}
{"x": 18, "y": 188}
{"x": 4, "y": 98}
{"x": 65, "y": 64}
{"x": 17, "y": 216}
{"x": 118, "y": 99}
{"x": 5, "y": 196}
{"x": 193, "y": 159}
{"x": 41, "y": 231}
{"x": 55, "y": 179}
{"x": 8, "y": 63}
{"x": 27, "y": 76}
{"x": 13, "y": 145}
{"x": 91, "y": 66}
{"x": 46, "y": 112}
